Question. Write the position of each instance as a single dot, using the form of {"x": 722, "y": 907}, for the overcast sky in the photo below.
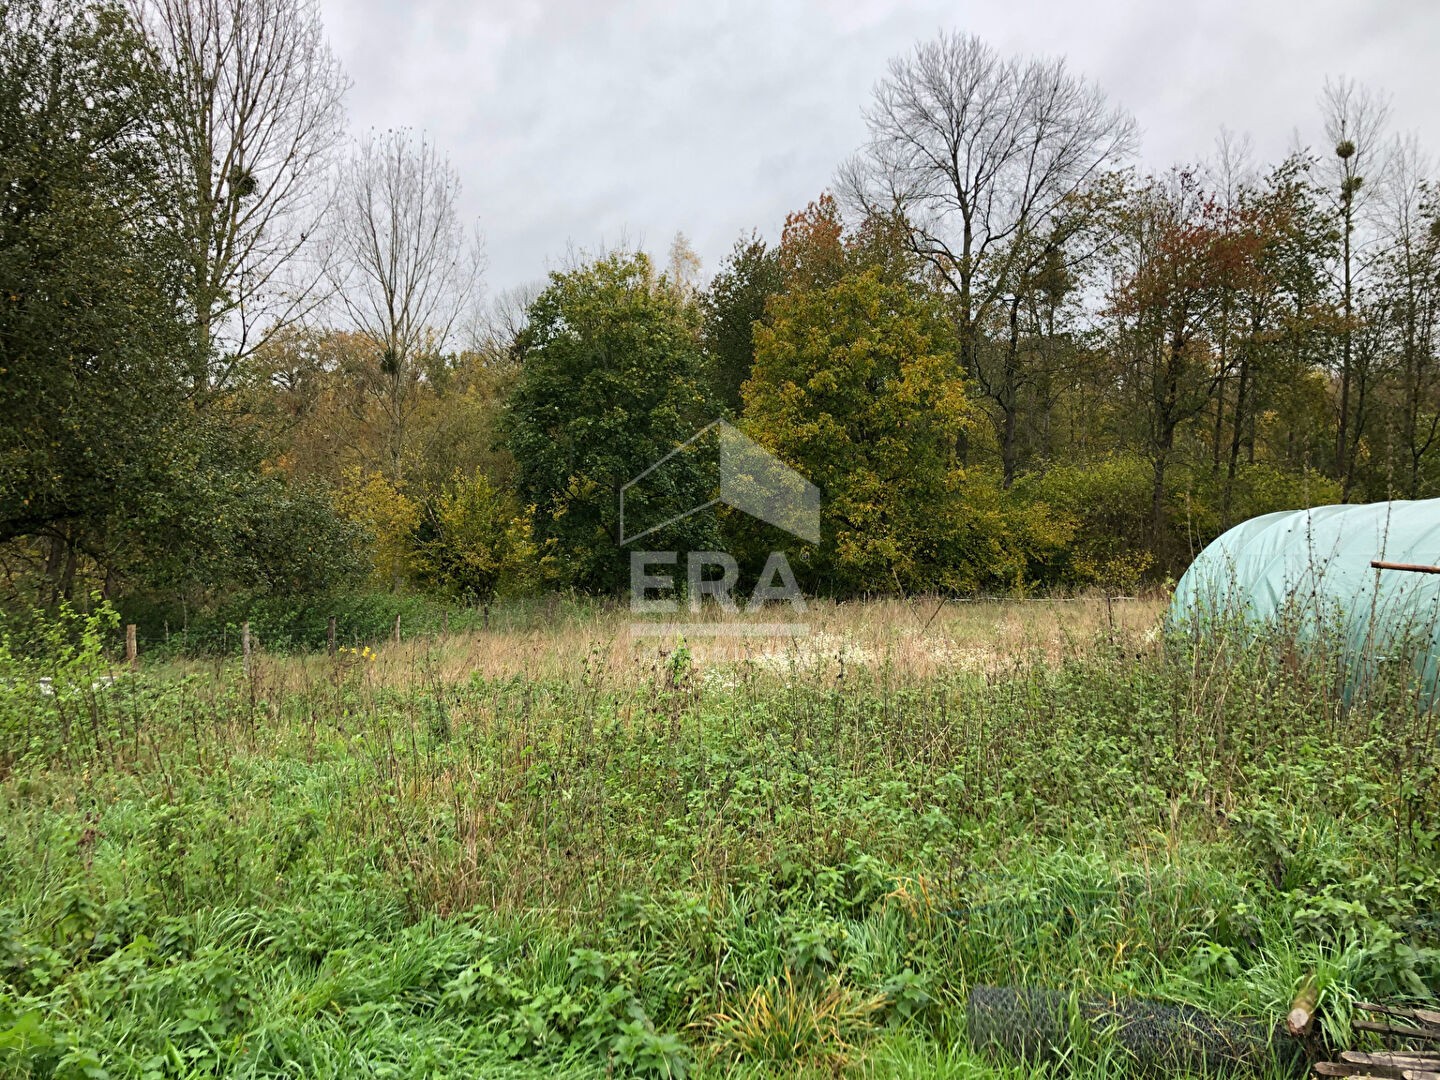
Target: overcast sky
{"x": 574, "y": 123}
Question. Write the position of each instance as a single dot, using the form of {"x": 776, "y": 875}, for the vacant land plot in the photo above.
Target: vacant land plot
{"x": 916, "y": 638}
{"x": 560, "y": 849}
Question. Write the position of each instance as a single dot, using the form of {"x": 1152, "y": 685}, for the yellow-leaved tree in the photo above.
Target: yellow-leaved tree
{"x": 475, "y": 542}
{"x": 389, "y": 515}
{"x": 856, "y": 385}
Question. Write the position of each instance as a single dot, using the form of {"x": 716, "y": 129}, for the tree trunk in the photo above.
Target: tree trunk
{"x": 1237, "y": 433}
{"x": 1009, "y": 393}
{"x": 1160, "y": 463}
{"x": 54, "y": 559}
{"x": 1216, "y": 435}
{"x": 67, "y": 578}
{"x": 1346, "y": 345}
{"x": 1360, "y": 378}
{"x": 1220, "y": 382}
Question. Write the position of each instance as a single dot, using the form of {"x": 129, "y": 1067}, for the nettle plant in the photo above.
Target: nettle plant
{"x": 67, "y": 647}
{"x": 65, "y": 664}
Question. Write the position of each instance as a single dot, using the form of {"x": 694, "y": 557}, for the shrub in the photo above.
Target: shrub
{"x": 475, "y": 542}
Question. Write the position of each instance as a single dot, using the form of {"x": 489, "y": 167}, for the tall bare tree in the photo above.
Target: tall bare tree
{"x": 984, "y": 156}
{"x": 1354, "y": 120}
{"x": 406, "y": 268}
{"x": 254, "y": 113}
{"x": 493, "y": 334}
{"x": 1409, "y": 273}
{"x": 1230, "y": 174}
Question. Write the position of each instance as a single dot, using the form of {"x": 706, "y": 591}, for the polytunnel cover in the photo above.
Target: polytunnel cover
{"x": 1312, "y": 568}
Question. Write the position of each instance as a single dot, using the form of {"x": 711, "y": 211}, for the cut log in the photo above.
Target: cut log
{"x": 1302, "y": 1010}
{"x": 1389, "y": 1059}
{"x": 1336, "y": 1068}
{"x": 1424, "y": 1018}
{"x": 1384, "y": 1027}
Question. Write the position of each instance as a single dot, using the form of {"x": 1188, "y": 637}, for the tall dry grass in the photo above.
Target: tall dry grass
{"x": 910, "y": 639}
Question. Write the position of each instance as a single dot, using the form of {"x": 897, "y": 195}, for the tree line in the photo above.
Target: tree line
{"x": 245, "y": 355}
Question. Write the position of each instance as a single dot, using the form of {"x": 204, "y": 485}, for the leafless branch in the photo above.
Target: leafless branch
{"x": 977, "y": 151}
{"x": 254, "y": 116}
{"x": 406, "y": 270}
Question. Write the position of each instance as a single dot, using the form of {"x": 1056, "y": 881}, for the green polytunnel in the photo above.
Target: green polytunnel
{"x": 1312, "y": 570}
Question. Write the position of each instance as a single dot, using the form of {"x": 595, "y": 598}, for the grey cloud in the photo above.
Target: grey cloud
{"x": 572, "y": 122}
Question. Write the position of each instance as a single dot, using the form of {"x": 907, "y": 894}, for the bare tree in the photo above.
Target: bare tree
{"x": 496, "y": 329}
{"x": 1354, "y": 121}
{"x": 984, "y": 158}
{"x": 1409, "y": 272}
{"x": 1231, "y": 177}
{"x": 405, "y": 267}
{"x": 254, "y": 114}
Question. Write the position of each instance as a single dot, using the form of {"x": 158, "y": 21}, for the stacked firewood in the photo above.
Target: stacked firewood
{"x": 1409, "y": 1028}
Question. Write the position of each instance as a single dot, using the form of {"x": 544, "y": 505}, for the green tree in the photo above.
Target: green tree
{"x": 226, "y": 524}
{"x": 611, "y": 381}
{"x": 855, "y": 385}
{"x": 92, "y": 342}
{"x": 1276, "y": 230}
{"x": 1174, "y": 258}
{"x": 389, "y": 516}
{"x": 109, "y": 475}
{"x": 732, "y": 306}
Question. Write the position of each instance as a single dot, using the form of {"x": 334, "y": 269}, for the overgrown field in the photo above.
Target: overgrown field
{"x": 542, "y": 852}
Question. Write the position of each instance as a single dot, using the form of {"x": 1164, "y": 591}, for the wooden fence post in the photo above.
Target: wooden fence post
{"x": 245, "y": 645}
{"x": 330, "y": 636}
{"x": 445, "y": 623}
{"x": 132, "y": 650}
{"x": 397, "y": 629}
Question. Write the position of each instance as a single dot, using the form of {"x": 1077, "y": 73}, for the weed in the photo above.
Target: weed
{"x": 443, "y": 861}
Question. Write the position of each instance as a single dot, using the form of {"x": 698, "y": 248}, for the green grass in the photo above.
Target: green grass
{"x": 752, "y": 875}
